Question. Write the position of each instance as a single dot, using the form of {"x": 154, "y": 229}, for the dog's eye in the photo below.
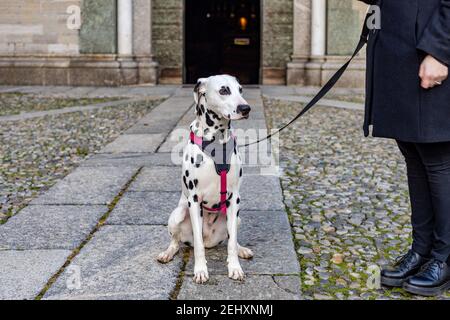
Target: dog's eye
{"x": 240, "y": 90}
{"x": 225, "y": 91}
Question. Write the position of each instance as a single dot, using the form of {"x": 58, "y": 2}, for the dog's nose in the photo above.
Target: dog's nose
{"x": 244, "y": 109}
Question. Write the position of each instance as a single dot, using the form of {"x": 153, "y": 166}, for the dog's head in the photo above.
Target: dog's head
{"x": 223, "y": 95}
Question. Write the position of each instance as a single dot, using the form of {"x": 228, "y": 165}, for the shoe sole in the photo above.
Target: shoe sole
{"x": 392, "y": 282}
{"x": 426, "y": 292}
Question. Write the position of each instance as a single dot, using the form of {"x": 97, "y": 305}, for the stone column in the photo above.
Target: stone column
{"x": 318, "y": 27}
{"x": 318, "y": 42}
{"x": 301, "y": 43}
{"x": 125, "y": 27}
{"x": 142, "y": 41}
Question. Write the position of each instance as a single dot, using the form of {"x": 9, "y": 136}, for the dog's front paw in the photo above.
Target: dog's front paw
{"x": 201, "y": 275}
{"x": 236, "y": 273}
{"x": 165, "y": 257}
{"x": 245, "y": 253}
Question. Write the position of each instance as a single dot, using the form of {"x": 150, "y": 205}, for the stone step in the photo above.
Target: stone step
{"x": 24, "y": 273}
{"x": 120, "y": 263}
{"x": 88, "y": 186}
{"x": 50, "y": 227}
{"x": 264, "y": 287}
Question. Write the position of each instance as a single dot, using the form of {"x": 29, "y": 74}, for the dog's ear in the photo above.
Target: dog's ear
{"x": 199, "y": 88}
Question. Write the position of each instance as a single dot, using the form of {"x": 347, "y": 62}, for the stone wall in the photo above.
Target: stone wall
{"x": 167, "y": 42}
{"x": 98, "y": 32}
{"x": 277, "y": 39}
{"x": 37, "y": 27}
{"x": 343, "y": 26}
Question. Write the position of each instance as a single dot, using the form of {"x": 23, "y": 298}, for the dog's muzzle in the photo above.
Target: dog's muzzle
{"x": 244, "y": 109}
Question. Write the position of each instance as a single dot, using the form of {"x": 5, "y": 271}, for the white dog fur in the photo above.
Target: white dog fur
{"x": 218, "y": 101}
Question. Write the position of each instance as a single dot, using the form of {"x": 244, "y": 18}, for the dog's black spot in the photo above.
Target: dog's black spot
{"x": 227, "y": 203}
{"x": 206, "y": 131}
{"x": 185, "y": 183}
{"x": 240, "y": 173}
{"x": 195, "y": 198}
{"x": 201, "y": 212}
{"x": 186, "y": 158}
{"x": 189, "y": 204}
{"x": 187, "y": 173}
{"x": 205, "y": 202}
{"x": 202, "y": 107}
{"x": 216, "y": 206}
{"x": 192, "y": 160}
{"x": 195, "y": 182}
{"x": 209, "y": 122}
{"x": 238, "y": 213}
{"x": 197, "y": 86}
{"x": 231, "y": 196}
{"x": 191, "y": 185}
{"x": 213, "y": 153}
{"x": 228, "y": 236}
{"x": 216, "y": 127}
{"x": 238, "y": 200}
{"x": 187, "y": 243}
{"x": 214, "y": 115}
{"x": 225, "y": 91}
{"x": 198, "y": 161}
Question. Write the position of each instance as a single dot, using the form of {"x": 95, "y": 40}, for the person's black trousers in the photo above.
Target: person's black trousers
{"x": 428, "y": 166}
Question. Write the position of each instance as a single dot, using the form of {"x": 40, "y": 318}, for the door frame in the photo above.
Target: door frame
{"x": 261, "y": 34}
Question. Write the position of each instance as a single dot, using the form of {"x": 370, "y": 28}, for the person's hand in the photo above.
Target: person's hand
{"x": 432, "y": 72}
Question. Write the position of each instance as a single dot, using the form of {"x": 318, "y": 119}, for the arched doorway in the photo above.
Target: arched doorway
{"x": 222, "y": 36}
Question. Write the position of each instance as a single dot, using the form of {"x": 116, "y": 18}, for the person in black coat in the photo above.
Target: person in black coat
{"x": 408, "y": 99}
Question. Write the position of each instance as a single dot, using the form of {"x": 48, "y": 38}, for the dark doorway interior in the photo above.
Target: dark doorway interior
{"x": 223, "y": 36}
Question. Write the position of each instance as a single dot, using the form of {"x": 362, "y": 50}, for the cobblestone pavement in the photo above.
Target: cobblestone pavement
{"x": 36, "y": 153}
{"x": 105, "y": 222}
{"x": 347, "y": 200}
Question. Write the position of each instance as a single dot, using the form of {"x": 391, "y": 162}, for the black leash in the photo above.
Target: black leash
{"x": 327, "y": 87}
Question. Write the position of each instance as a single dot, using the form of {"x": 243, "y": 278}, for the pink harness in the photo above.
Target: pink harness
{"x": 222, "y": 171}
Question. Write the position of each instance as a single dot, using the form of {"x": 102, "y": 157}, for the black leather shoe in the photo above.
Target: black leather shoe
{"x": 432, "y": 280}
{"x": 404, "y": 267}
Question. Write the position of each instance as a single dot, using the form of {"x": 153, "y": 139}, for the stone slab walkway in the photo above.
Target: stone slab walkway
{"x": 96, "y": 233}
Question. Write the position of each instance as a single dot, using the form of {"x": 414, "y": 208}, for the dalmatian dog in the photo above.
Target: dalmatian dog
{"x": 208, "y": 211}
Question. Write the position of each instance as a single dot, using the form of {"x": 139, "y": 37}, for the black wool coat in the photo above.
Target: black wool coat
{"x": 396, "y": 105}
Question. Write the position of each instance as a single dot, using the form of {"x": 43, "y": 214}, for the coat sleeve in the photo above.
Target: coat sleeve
{"x": 435, "y": 39}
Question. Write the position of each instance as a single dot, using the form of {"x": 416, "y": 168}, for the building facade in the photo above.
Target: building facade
{"x": 121, "y": 42}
